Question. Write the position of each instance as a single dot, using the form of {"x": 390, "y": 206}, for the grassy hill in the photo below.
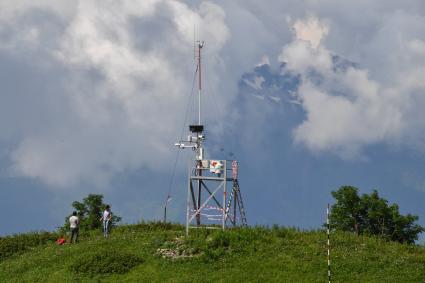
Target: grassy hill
{"x": 153, "y": 252}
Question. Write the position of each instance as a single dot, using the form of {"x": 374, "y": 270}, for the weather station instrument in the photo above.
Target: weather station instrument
{"x": 214, "y": 199}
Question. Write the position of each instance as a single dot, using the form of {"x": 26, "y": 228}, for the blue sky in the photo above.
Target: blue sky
{"x": 307, "y": 95}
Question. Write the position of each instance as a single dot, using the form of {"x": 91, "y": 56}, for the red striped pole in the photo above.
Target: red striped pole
{"x": 329, "y": 245}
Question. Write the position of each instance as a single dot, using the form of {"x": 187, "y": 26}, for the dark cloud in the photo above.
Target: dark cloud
{"x": 93, "y": 97}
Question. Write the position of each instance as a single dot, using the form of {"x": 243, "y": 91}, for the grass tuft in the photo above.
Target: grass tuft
{"x": 105, "y": 262}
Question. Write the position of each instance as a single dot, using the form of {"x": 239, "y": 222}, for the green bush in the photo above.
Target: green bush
{"x": 213, "y": 245}
{"x": 372, "y": 215}
{"x": 105, "y": 262}
{"x": 220, "y": 240}
{"x": 18, "y": 243}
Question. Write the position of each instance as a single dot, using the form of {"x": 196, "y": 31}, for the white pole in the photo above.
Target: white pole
{"x": 188, "y": 203}
{"x": 329, "y": 245}
{"x": 224, "y": 194}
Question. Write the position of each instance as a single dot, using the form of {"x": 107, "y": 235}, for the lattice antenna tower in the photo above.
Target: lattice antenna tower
{"x": 208, "y": 204}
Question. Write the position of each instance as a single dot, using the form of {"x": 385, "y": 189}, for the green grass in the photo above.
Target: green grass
{"x": 257, "y": 254}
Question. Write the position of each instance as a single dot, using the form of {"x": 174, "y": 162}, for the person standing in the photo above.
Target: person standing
{"x": 107, "y": 219}
{"x": 74, "y": 223}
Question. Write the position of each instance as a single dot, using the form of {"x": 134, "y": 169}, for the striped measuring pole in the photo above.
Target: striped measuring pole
{"x": 329, "y": 245}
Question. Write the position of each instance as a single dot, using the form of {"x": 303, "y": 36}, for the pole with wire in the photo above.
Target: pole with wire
{"x": 199, "y": 149}
{"x": 165, "y": 207}
{"x": 173, "y": 174}
{"x": 200, "y": 45}
{"x": 329, "y": 244}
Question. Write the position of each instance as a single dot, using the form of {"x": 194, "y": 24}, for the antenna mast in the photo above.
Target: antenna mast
{"x": 208, "y": 180}
{"x": 200, "y": 44}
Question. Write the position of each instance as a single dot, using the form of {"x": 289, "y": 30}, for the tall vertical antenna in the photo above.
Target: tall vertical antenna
{"x": 208, "y": 179}
{"x": 200, "y": 44}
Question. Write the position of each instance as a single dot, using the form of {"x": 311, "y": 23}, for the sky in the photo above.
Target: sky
{"x": 307, "y": 96}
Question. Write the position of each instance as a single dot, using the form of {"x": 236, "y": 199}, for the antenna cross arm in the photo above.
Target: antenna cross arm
{"x": 182, "y": 145}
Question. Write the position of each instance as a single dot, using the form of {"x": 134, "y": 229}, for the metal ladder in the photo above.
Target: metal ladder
{"x": 236, "y": 194}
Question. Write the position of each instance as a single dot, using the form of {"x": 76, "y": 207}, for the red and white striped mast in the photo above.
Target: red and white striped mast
{"x": 200, "y": 45}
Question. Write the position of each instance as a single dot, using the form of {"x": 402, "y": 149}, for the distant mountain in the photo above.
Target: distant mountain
{"x": 281, "y": 86}
{"x": 273, "y": 85}
{"x": 268, "y": 103}
{"x": 342, "y": 64}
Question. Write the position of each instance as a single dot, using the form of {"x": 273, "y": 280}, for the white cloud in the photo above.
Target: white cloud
{"x": 302, "y": 57}
{"x": 109, "y": 79}
{"x": 11, "y": 9}
{"x": 264, "y": 61}
{"x": 125, "y": 76}
{"x": 348, "y": 109}
{"x": 310, "y": 30}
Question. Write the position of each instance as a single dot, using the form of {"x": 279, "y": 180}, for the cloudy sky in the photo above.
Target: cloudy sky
{"x": 307, "y": 95}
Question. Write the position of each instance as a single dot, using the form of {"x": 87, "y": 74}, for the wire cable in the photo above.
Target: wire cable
{"x": 170, "y": 186}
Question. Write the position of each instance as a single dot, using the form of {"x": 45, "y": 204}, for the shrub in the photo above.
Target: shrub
{"x": 105, "y": 262}
{"x": 18, "y": 243}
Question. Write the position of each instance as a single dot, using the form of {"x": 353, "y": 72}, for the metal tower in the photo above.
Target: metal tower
{"x": 210, "y": 181}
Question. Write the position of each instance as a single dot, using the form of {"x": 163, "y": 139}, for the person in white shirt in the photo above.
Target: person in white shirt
{"x": 106, "y": 218}
{"x": 74, "y": 224}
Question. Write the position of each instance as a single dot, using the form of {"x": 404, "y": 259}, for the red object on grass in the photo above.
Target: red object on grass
{"x": 60, "y": 241}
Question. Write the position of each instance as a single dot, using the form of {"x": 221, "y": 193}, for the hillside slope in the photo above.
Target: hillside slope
{"x": 156, "y": 253}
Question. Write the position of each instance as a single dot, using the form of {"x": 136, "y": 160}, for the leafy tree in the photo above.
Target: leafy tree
{"x": 90, "y": 211}
{"x": 346, "y": 214}
{"x": 371, "y": 214}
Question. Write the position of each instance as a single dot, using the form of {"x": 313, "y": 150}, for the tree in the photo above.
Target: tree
{"x": 346, "y": 213}
{"x": 371, "y": 214}
{"x": 90, "y": 211}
